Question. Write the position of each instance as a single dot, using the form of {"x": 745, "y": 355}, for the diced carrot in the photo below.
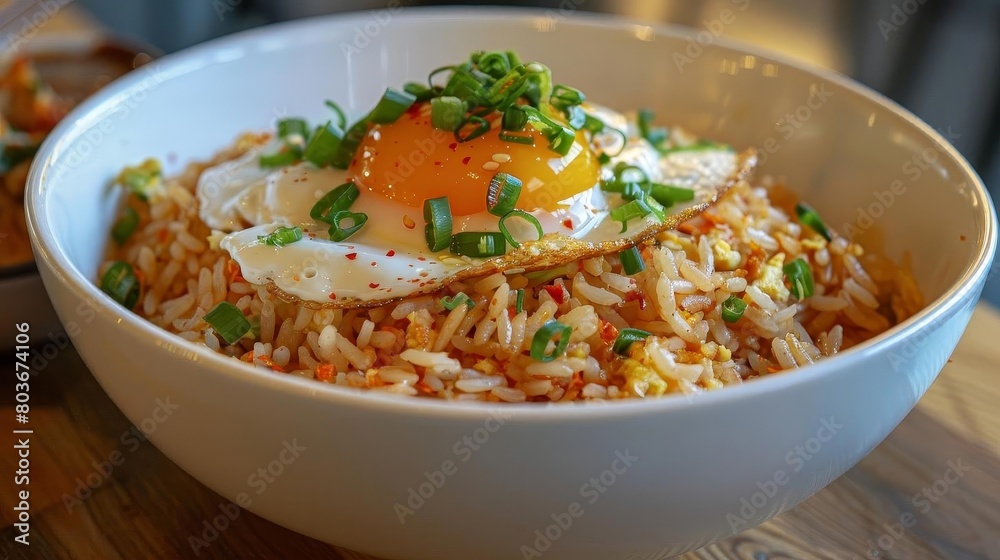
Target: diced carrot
{"x": 325, "y": 372}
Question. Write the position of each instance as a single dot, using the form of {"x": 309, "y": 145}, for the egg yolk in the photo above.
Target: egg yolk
{"x": 409, "y": 161}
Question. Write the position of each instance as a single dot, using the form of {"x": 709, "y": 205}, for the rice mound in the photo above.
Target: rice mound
{"x": 416, "y": 347}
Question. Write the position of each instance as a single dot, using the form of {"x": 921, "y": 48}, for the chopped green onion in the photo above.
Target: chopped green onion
{"x": 502, "y": 194}
{"x": 339, "y": 233}
{"x": 543, "y": 276}
{"x": 732, "y": 309}
{"x": 349, "y": 144}
{"x": 281, "y": 236}
{"x": 420, "y": 91}
{"x": 575, "y": 117}
{"x": 392, "y": 106}
{"x": 632, "y": 191}
{"x": 565, "y": 96}
{"x": 519, "y": 300}
{"x": 322, "y": 145}
{"x": 699, "y": 146}
{"x": 452, "y": 302}
{"x": 278, "y": 159}
{"x": 463, "y": 134}
{"x": 142, "y": 179}
{"x": 632, "y": 262}
{"x": 437, "y": 216}
{"x": 121, "y": 284}
{"x": 514, "y": 119}
{"x": 668, "y": 195}
{"x": 341, "y": 117}
{"x": 625, "y": 339}
{"x": 545, "y": 334}
{"x": 478, "y": 244}
{"x": 603, "y": 158}
{"x": 435, "y": 72}
{"x": 496, "y": 63}
{"x": 562, "y": 140}
{"x": 125, "y": 226}
{"x": 593, "y": 124}
{"x": 228, "y": 321}
{"x": 525, "y": 139}
{"x": 524, "y": 216}
{"x": 560, "y": 137}
{"x": 447, "y": 113}
{"x": 334, "y": 201}
{"x": 809, "y": 217}
{"x": 288, "y": 127}
{"x": 655, "y": 136}
{"x": 799, "y": 275}
{"x": 635, "y": 209}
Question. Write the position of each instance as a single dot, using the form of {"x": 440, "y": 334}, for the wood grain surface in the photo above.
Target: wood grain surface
{"x": 147, "y": 507}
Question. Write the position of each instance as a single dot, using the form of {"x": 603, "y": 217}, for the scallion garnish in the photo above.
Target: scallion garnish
{"x": 341, "y": 117}
{"x": 809, "y": 217}
{"x": 472, "y": 127}
{"x": 669, "y": 195}
{"x": 525, "y": 139}
{"x": 524, "y": 216}
{"x": 625, "y": 339}
{"x": 460, "y": 298}
{"x": 349, "y": 144}
{"x": 228, "y": 322}
{"x": 125, "y": 226}
{"x": 392, "y": 106}
{"x": 421, "y": 92}
{"x": 654, "y": 135}
{"x": 338, "y": 232}
{"x": 514, "y": 119}
{"x": 290, "y": 127}
{"x": 635, "y": 209}
{"x": 544, "y": 335}
{"x": 437, "y": 217}
{"x": 502, "y": 194}
{"x": 447, "y": 113}
{"x": 519, "y": 300}
{"x": 322, "y": 145}
{"x": 632, "y": 262}
{"x": 142, "y": 179}
{"x": 278, "y": 159}
{"x": 281, "y": 236}
{"x": 334, "y": 201}
{"x": 799, "y": 275}
{"x": 565, "y": 96}
{"x": 121, "y": 284}
{"x": 732, "y": 309}
{"x": 478, "y": 244}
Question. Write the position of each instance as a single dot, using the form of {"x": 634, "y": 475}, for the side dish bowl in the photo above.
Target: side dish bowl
{"x": 421, "y": 479}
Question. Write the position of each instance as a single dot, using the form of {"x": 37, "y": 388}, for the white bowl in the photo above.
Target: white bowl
{"x": 704, "y": 468}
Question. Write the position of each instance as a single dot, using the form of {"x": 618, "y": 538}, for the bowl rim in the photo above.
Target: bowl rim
{"x": 203, "y": 55}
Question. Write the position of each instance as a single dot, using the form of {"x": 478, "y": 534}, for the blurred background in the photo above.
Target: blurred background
{"x": 938, "y": 58}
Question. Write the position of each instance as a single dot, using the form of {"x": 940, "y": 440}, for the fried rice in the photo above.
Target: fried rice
{"x": 417, "y": 347}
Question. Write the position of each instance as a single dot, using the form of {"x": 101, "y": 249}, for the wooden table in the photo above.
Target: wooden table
{"x": 148, "y": 507}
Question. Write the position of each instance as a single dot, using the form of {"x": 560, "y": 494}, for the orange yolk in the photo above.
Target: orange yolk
{"x": 409, "y": 161}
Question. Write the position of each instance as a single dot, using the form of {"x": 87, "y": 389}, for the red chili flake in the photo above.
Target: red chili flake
{"x": 466, "y": 160}
{"x": 437, "y": 163}
{"x": 373, "y": 285}
{"x": 312, "y": 236}
{"x": 636, "y": 296}
{"x": 453, "y": 146}
{"x": 390, "y": 253}
{"x": 961, "y": 238}
{"x": 567, "y": 223}
{"x": 354, "y": 162}
{"x": 351, "y": 256}
{"x": 557, "y": 293}
{"x": 608, "y": 332}
{"x": 421, "y": 258}
{"x": 333, "y": 295}
{"x": 374, "y": 263}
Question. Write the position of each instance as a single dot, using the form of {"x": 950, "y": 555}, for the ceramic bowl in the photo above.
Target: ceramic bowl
{"x": 421, "y": 479}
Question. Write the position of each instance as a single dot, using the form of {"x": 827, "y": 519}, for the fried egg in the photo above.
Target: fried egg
{"x": 400, "y": 165}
